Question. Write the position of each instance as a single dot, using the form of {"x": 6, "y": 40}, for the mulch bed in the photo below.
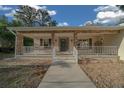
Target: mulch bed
{"x": 22, "y": 75}
{"x": 105, "y": 74}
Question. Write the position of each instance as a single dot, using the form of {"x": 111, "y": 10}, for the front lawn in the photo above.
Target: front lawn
{"x": 105, "y": 74}
{"x": 22, "y": 73}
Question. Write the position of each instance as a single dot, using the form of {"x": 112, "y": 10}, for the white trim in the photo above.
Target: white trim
{"x": 12, "y": 32}
{"x": 98, "y": 50}
{"x": 75, "y": 54}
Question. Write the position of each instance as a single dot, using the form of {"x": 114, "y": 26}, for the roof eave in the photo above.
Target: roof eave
{"x": 91, "y": 28}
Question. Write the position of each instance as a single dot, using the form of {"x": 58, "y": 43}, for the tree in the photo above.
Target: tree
{"x": 7, "y": 38}
{"x": 43, "y": 18}
{"x": 3, "y": 22}
{"x": 14, "y": 23}
{"x": 26, "y": 15}
{"x": 34, "y": 17}
{"x": 53, "y": 23}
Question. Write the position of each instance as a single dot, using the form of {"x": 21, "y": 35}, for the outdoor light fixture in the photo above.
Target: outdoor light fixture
{"x": 55, "y": 40}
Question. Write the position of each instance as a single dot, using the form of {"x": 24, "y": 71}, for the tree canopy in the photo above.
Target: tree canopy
{"x": 34, "y": 17}
{"x": 24, "y": 16}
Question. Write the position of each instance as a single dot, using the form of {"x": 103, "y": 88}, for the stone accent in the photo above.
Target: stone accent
{"x": 75, "y": 39}
{"x": 19, "y": 44}
{"x": 53, "y": 39}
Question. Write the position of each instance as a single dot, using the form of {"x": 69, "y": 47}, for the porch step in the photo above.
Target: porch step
{"x": 58, "y": 58}
{"x": 64, "y": 53}
{"x": 42, "y": 57}
{"x": 66, "y": 61}
{"x": 65, "y": 58}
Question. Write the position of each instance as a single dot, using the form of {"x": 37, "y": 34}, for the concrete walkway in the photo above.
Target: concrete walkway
{"x": 65, "y": 75}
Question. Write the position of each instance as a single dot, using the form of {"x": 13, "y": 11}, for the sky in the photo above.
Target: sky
{"x": 75, "y": 15}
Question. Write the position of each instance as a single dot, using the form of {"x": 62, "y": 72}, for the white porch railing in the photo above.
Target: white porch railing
{"x": 28, "y": 49}
{"x": 90, "y": 50}
{"x": 36, "y": 50}
{"x": 75, "y": 54}
{"x": 98, "y": 50}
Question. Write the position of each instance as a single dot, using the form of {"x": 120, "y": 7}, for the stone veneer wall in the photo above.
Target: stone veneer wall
{"x": 19, "y": 44}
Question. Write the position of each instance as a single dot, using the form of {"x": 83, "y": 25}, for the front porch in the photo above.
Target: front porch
{"x": 85, "y": 52}
{"x": 67, "y": 44}
{"x": 89, "y": 51}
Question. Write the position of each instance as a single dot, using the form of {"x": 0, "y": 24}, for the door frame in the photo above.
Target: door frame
{"x": 66, "y": 38}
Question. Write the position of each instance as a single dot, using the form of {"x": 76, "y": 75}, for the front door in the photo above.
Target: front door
{"x": 64, "y": 44}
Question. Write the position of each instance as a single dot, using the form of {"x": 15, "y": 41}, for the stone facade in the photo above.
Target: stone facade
{"x": 19, "y": 44}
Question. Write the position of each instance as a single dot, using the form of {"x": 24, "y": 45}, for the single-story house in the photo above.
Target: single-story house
{"x": 78, "y": 42}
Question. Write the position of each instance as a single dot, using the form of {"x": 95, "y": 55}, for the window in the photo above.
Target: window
{"x": 28, "y": 41}
{"x": 46, "y": 43}
{"x": 41, "y": 42}
{"x": 84, "y": 43}
{"x": 90, "y": 42}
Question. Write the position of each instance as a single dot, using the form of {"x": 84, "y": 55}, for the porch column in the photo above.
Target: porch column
{"x": 36, "y": 42}
{"x": 53, "y": 47}
{"x": 19, "y": 44}
{"x": 75, "y": 39}
{"x": 53, "y": 40}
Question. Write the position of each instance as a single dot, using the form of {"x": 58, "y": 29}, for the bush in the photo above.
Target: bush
{"x": 6, "y": 50}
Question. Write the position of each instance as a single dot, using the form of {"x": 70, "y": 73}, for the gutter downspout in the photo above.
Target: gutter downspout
{"x": 15, "y": 39}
